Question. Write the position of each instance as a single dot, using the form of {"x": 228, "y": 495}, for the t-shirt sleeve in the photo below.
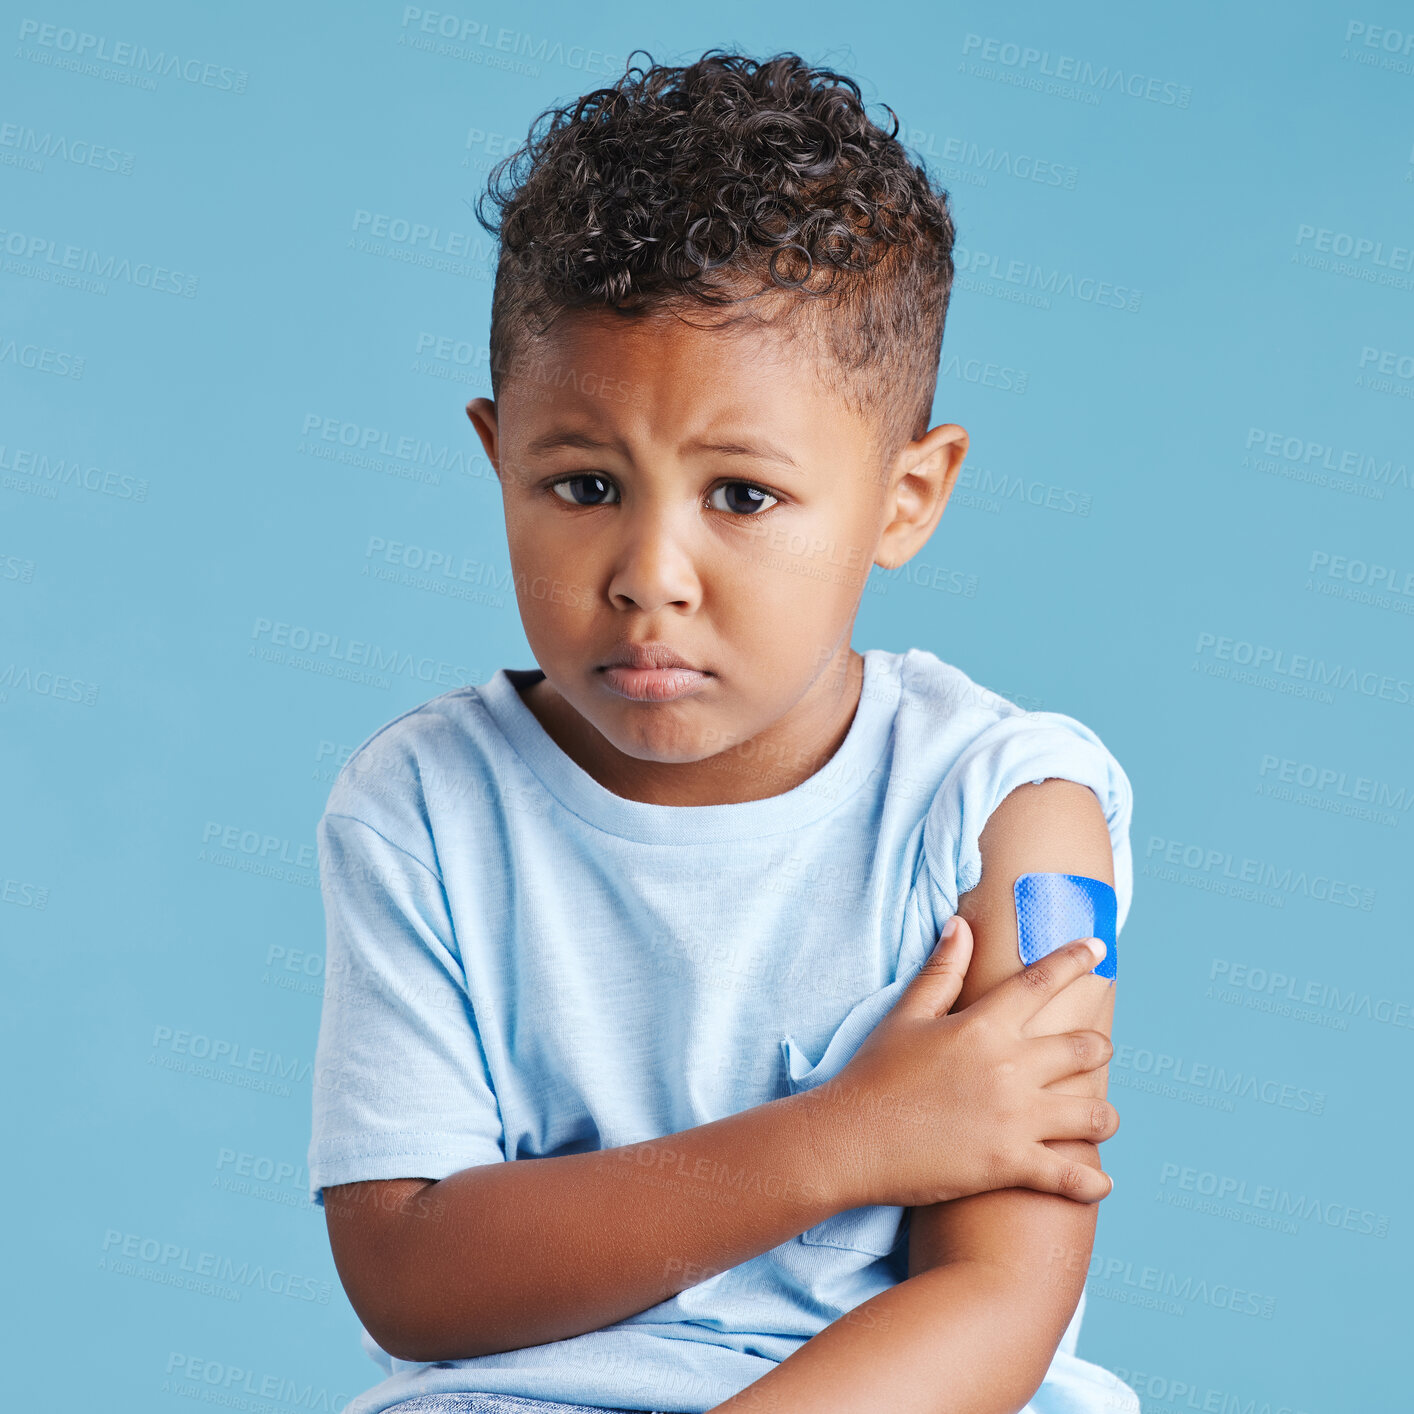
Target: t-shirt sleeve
{"x": 1017, "y": 749}
{"x": 401, "y": 1086}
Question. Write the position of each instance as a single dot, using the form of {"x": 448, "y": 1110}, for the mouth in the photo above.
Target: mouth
{"x": 651, "y": 672}
{"x": 646, "y": 655}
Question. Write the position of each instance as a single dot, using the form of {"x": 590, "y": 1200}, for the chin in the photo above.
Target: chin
{"x": 661, "y": 742}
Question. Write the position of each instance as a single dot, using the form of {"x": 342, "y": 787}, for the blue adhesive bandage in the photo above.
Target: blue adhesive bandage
{"x": 1055, "y": 909}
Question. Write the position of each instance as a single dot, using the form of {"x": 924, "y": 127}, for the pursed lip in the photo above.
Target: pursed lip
{"x": 647, "y": 655}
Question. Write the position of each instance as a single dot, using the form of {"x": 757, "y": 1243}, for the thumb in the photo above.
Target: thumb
{"x": 939, "y": 980}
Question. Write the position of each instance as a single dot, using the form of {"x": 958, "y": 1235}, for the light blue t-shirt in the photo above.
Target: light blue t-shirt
{"x": 521, "y": 963}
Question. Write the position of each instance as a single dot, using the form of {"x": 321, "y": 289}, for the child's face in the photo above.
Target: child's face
{"x": 661, "y": 438}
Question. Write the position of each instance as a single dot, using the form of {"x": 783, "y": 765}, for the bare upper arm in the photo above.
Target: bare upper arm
{"x": 367, "y": 1235}
{"x": 1056, "y": 826}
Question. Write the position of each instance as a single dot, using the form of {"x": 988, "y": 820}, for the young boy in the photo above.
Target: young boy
{"x": 664, "y": 916}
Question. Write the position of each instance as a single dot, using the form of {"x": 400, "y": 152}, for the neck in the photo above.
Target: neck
{"x": 774, "y": 761}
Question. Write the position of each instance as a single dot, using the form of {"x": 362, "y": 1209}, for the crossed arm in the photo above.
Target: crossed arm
{"x": 994, "y": 1278}
{"x": 558, "y": 1246}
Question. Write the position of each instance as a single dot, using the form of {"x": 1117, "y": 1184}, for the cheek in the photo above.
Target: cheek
{"x": 816, "y": 563}
{"x": 553, "y": 601}
{"x": 547, "y": 542}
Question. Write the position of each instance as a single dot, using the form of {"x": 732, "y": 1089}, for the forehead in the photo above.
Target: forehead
{"x": 668, "y": 378}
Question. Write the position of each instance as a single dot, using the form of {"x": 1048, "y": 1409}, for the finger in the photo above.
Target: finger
{"x": 1053, "y": 1058}
{"x": 1053, "y": 1173}
{"x": 939, "y": 981}
{"x": 1077, "y": 1117}
{"x": 1024, "y": 993}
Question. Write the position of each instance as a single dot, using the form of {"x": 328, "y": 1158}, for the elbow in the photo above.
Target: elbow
{"x": 1034, "y": 1351}
{"x": 393, "y": 1274}
{"x": 1021, "y": 1398}
{"x": 1035, "y": 1362}
{"x": 388, "y": 1324}
{"x": 408, "y": 1320}
{"x": 389, "y": 1320}
{"x": 422, "y": 1342}
{"x": 395, "y": 1343}
{"x": 412, "y": 1347}
{"x": 1031, "y": 1372}
{"x": 1027, "y": 1368}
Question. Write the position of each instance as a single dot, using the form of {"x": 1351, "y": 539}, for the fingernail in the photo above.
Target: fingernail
{"x": 1097, "y": 946}
{"x": 950, "y": 927}
{"x": 1110, "y": 1176}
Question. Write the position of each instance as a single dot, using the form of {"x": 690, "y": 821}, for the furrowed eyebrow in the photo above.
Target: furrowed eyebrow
{"x": 585, "y": 442}
{"x": 581, "y": 441}
{"x": 757, "y": 451}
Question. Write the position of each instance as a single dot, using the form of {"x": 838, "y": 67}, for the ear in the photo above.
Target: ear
{"x": 920, "y": 481}
{"x": 482, "y": 412}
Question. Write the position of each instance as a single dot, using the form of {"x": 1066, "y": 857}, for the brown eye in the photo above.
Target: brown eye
{"x": 598, "y": 487}
{"x": 749, "y": 504}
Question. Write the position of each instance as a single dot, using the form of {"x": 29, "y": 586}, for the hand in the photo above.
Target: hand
{"x": 936, "y": 1106}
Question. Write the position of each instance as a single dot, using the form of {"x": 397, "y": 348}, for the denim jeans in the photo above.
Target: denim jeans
{"x": 497, "y": 1404}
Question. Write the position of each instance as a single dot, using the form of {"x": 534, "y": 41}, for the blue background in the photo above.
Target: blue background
{"x": 1160, "y": 495}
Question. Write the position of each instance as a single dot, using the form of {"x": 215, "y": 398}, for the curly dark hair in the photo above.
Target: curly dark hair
{"x": 720, "y": 182}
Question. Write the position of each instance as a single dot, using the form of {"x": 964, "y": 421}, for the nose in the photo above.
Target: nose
{"x": 653, "y": 567}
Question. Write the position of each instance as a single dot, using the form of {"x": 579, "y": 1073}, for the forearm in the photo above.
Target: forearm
{"x": 973, "y": 1330}
{"x": 502, "y": 1256}
{"x": 946, "y": 1341}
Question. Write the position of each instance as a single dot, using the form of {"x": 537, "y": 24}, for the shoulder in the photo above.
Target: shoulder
{"x": 394, "y": 778}
{"x": 998, "y": 747}
{"x": 1030, "y": 747}
{"x": 940, "y": 712}
{"x": 942, "y": 691}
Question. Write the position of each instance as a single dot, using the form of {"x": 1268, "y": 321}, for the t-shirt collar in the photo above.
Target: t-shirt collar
{"x": 839, "y": 778}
